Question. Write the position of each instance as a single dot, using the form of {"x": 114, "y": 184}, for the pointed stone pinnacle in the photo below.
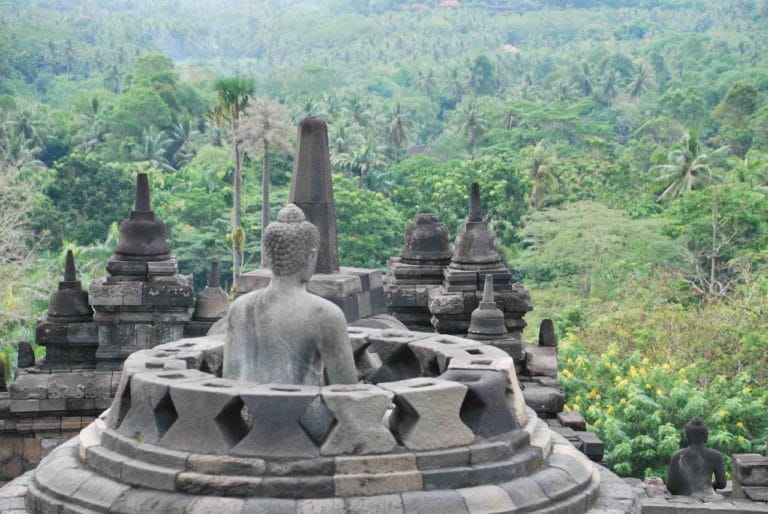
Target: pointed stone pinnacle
{"x": 214, "y": 275}
{"x": 69, "y": 268}
{"x": 312, "y": 190}
{"x": 142, "y": 193}
{"x": 475, "y": 209}
{"x": 488, "y": 289}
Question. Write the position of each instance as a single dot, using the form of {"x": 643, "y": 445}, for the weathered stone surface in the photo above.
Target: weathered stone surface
{"x": 487, "y": 319}
{"x": 143, "y": 500}
{"x": 540, "y": 360}
{"x": 223, "y": 465}
{"x": 487, "y": 498}
{"x": 26, "y": 356}
{"x": 547, "y": 336}
{"x": 485, "y": 409}
{"x": 379, "y": 504}
{"x": 269, "y": 505}
{"x": 446, "y": 303}
{"x": 366, "y": 485}
{"x": 448, "y": 458}
{"x": 30, "y": 387}
{"x": 434, "y": 502}
{"x": 358, "y": 410}
{"x": 427, "y": 412}
{"x": 545, "y": 400}
{"x": 592, "y": 446}
{"x": 142, "y": 474}
{"x": 426, "y": 241}
{"x": 302, "y": 467}
{"x": 376, "y": 464}
{"x": 209, "y": 417}
{"x": 276, "y": 430}
{"x": 312, "y": 189}
{"x": 152, "y": 411}
{"x": 213, "y": 485}
{"x": 217, "y": 505}
{"x": 750, "y": 469}
{"x": 212, "y": 303}
{"x": 69, "y": 302}
{"x": 298, "y": 487}
{"x": 572, "y": 420}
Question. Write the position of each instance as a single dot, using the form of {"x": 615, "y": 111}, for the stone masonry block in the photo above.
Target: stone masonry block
{"x": 540, "y": 360}
{"x": 29, "y": 387}
{"x": 358, "y": 410}
{"x": 487, "y": 498}
{"x": 47, "y": 333}
{"x": 750, "y": 469}
{"x": 337, "y": 285}
{"x": 82, "y": 333}
{"x": 209, "y": 417}
{"x": 427, "y": 350}
{"x": 427, "y": 413}
{"x": 366, "y": 485}
{"x": 379, "y": 504}
{"x": 441, "y": 303}
{"x": 152, "y": 411}
{"x": 485, "y": 408}
{"x": 434, "y": 502}
{"x": 276, "y": 412}
{"x": 164, "y": 294}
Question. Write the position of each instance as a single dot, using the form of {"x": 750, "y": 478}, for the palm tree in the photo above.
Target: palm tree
{"x": 183, "y": 135}
{"x": 266, "y": 124}
{"x": 28, "y": 124}
{"x": 90, "y": 130}
{"x": 397, "y": 128}
{"x": 640, "y": 81}
{"x": 540, "y": 173}
{"x": 232, "y": 97}
{"x": 365, "y": 161}
{"x": 153, "y": 148}
{"x": 359, "y": 109}
{"x": 611, "y": 85}
{"x": 113, "y": 80}
{"x": 426, "y": 81}
{"x": 454, "y": 83}
{"x": 583, "y": 79}
{"x": 688, "y": 168}
{"x": 470, "y": 121}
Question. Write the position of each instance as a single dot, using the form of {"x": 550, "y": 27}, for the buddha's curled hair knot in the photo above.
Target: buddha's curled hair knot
{"x": 289, "y": 241}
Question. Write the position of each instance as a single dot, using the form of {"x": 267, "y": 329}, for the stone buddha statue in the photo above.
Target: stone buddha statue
{"x": 282, "y": 333}
{"x": 691, "y": 469}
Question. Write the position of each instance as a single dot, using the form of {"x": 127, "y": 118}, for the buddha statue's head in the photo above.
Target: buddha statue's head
{"x": 291, "y": 244}
{"x": 696, "y": 431}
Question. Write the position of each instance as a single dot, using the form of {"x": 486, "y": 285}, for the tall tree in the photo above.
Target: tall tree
{"x": 232, "y": 97}
{"x": 688, "y": 168}
{"x": 543, "y": 180}
{"x": 470, "y": 121}
{"x": 397, "y": 129}
{"x": 266, "y": 124}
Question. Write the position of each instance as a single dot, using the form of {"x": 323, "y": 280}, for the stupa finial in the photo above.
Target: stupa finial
{"x": 69, "y": 268}
{"x": 475, "y": 209}
{"x": 142, "y": 193}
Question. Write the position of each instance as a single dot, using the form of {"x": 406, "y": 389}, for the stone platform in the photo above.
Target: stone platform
{"x": 440, "y": 426}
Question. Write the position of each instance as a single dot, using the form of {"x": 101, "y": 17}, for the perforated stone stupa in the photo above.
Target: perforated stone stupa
{"x": 439, "y": 423}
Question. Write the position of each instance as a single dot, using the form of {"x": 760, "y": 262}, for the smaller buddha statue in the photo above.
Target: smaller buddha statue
{"x": 691, "y": 469}
{"x": 283, "y": 334}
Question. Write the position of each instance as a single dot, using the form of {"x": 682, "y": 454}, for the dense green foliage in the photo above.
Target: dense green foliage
{"x": 621, "y": 148}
